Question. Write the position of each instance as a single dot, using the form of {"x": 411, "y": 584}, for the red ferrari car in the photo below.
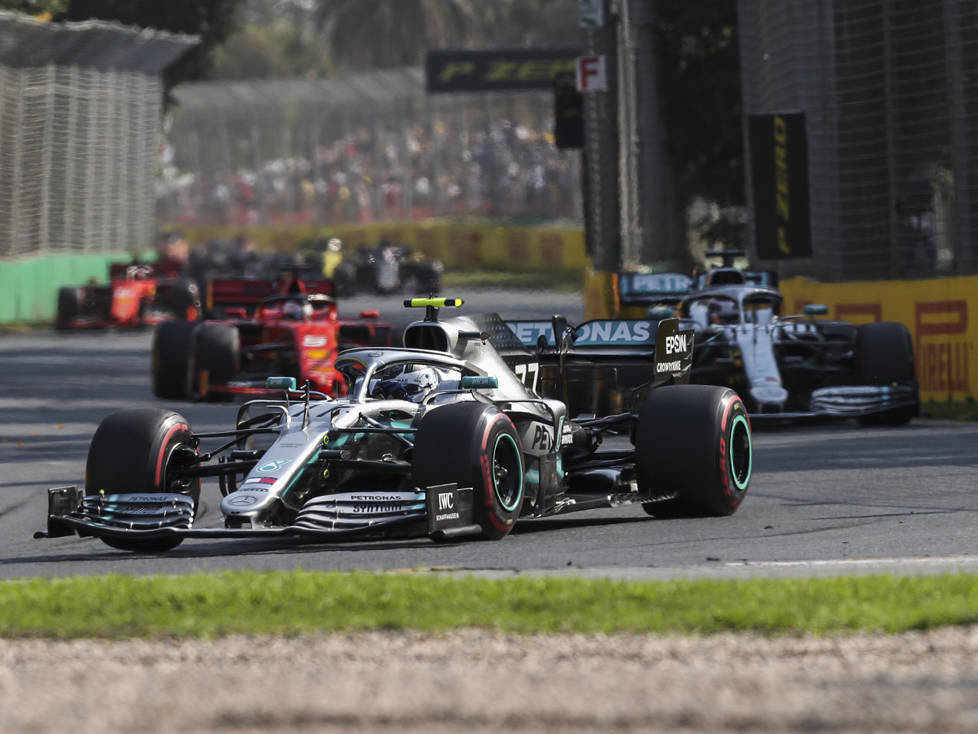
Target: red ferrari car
{"x": 257, "y": 329}
{"x": 137, "y": 294}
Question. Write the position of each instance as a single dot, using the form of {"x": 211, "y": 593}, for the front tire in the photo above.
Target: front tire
{"x": 693, "y": 445}
{"x": 171, "y": 359}
{"x": 474, "y": 445}
{"x": 216, "y": 352}
{"x": 69, "y": 306}
{"x": 137, "y": 450}
{"x": 884, "y": 356}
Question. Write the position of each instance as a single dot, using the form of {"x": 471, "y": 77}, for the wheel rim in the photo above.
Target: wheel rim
{"x": 741, "y": 453}
{"x": 507, "y": 472}
{"x": 170, "y": 481}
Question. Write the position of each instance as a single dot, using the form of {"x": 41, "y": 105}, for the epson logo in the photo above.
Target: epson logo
{"x": 446, "y": 501}
{"x": 676, "y": 344}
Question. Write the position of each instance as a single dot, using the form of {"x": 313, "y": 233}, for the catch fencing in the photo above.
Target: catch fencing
{"x": 80, "y": 113}
{"x": 889, "y": 89}
{"x": 359, "y": 149}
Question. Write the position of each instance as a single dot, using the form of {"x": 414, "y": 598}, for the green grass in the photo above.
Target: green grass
{"x": 966, "y": 411}
{"x": 299, "y": 602}
{"x": 559, "y": 280}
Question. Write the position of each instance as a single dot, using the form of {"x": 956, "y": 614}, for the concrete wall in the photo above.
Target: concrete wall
{"x": 29, "y": 286}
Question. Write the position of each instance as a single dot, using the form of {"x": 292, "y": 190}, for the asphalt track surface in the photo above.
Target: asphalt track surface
{"x": 824, "y": 499}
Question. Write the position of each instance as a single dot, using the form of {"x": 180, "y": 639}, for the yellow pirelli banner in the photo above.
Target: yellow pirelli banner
{"x": 457, "y": 245}
{"x": 942, "y": 315}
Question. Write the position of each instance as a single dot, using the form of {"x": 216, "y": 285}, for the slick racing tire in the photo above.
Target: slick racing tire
{"x": 345, "y": 279}
{"x": 136, "y": 450}
{"x": 693, "y": 447}
{"x": 69, "y": 306}
{"x": 474, "y": 445}
{"x": 884, "y": 356}
{"x": 171, "y": 359}
{"x": 179, "y": 297}
{"x": 216, "y": 352}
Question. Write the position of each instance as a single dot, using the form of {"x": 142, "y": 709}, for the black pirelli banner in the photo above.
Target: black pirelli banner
{"x": 779, "y": 172}
{"x": 496, "y": 69}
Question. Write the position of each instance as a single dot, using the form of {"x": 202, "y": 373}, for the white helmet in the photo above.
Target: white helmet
{"x": 410, "y": 384}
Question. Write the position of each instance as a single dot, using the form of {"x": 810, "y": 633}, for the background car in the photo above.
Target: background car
{"x": 387, "y": 268}
{"x": 643, "y": 294}
{"x": 799, "y": 366}
{"x": 137, "y": 294}
{"x": 259, "y": 328}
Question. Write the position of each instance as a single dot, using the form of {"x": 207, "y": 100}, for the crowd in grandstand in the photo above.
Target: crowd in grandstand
{"x": 373, "y": 173}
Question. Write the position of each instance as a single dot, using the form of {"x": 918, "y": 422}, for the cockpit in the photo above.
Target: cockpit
{"x": 729, "y": 309}
{"x": 374, "y": 375}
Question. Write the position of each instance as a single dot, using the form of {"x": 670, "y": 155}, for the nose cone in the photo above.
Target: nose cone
{"x": 769, "y": 396}
{"x": 244, "y": 502}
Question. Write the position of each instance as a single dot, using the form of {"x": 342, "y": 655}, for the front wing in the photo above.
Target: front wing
{"x": 851, "y": 401}
{"x": 442, "y": 512}
{"x": 856, "y": 401}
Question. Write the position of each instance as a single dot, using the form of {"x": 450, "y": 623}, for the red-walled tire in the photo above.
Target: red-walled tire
{"x": 135, "y": 450}
{"x": 474, "y": 445}
{"x": 693, "y": 442}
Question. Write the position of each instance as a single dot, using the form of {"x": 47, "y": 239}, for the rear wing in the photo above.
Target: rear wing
{"x": 298, "y": 281}
{"x": 224, "y": 293}
{"x": 365, "y": 333}
{"x": 650, "y": 288}
{"x": 661, "y": 345}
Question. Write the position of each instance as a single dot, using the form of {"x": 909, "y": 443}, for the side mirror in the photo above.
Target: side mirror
{"x": 661, "y": 312}
{"x": 816, "y": 309}
{"x": 479, "y": 382}
{"x": 280, "y": 383}
{"x": 370, "y": 314}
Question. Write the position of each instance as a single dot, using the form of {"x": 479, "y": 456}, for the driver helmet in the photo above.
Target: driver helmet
{"x": 297, "y": 311}
{"x": 411, "y": 384}
{"x": 722, "y": 312}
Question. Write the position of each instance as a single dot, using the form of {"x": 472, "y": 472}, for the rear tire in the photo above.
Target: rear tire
{"x": 345, "y": 279}
{"x": 216, "y": 351}
{"x": 884, "y": 356}
{"x": 474, "y": 445}
{"x": 171, "y": 359}
{"x": 179, "y": 297}
{"x": 69, "y": 306}
{"x": 133, "y": 450}
{"x": 694, "y": 442}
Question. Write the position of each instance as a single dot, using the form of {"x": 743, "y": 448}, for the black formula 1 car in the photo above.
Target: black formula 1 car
{"x": 798, "y": 367}
{"x": 783, "y": 367}
{"x": 387, "y": 269}
{"x": 446, "y": 437}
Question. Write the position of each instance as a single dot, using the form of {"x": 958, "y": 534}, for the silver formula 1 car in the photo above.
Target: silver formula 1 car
{"x": 451, "y": 436}
{"x": 799, "y": 366}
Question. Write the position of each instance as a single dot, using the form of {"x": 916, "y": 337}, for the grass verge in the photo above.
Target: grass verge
{"x": 967, "y": 411}
{"x": 300, "y": 602}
